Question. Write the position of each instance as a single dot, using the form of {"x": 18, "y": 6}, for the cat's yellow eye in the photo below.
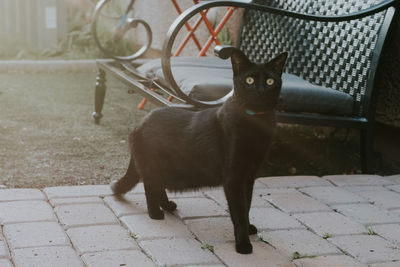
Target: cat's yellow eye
{"x": 270, "y": 81}
{"x": 249, "y": 80}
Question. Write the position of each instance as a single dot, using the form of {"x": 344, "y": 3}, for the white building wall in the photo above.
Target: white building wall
{"x": 40, "y": 23}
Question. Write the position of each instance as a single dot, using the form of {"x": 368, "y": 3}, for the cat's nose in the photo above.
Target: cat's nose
{"x": 261, "y": 92}
{"x": 262, "y": 89}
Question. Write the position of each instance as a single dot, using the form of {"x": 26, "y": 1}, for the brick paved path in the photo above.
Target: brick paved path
{"x": 330, "y": 221}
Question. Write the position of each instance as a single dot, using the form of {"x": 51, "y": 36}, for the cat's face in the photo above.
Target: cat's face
{"x": 257, "y": 85}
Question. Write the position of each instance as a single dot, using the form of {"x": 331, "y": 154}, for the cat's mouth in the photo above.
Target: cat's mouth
{"x": 264, "y": 100}
{"x": 259, "y": 101}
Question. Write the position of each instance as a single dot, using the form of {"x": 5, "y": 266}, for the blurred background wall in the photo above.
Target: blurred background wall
{"x": 57, "y": 24}
{"x": 39, "y": 23}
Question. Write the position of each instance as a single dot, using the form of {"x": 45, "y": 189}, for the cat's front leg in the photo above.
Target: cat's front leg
{"x": 249, "y": 196}
{"x": 235, "y": 192}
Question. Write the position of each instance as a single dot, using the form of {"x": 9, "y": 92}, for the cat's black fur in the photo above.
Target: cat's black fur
{"x": 178, "y": 149}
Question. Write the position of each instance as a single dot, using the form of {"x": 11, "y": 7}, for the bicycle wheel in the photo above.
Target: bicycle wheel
{"x": 117, "y": 33}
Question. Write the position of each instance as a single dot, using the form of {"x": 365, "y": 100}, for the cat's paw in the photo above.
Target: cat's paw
{"x": 170, "y": 206}
{"x": 244, "y": 248}
{"x": 156, "y": 214}
{"x": 252, "y": 229}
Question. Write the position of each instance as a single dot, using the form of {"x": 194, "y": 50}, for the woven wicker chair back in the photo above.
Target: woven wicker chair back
{"x": 335, "y": 55}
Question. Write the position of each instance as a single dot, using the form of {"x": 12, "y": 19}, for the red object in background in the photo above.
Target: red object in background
{"x": 191, "y": 30}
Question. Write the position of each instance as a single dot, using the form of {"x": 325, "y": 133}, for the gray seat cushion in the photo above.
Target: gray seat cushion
{"x": 209, "y": 78}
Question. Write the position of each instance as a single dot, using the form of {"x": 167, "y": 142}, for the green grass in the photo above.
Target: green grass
{"x": 371, "y": 231}
{"x": 133, "y": 235}
{"x": 206, "y": 246}
{"x": 327, "y": 235}
{"x": 261, "y": 238}
{"x": 297, "y": 255}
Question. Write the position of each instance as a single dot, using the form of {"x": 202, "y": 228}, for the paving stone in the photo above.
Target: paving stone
{"x": 364, "y": 188}
{"x": 46, "y": 257}
{"x": 174, "y": 251}
{"x": 367, "y": 214}
{"x": 198, "y": 207}
{"x": 219, "y": 197}
{"x": 126, "y": 258}
{"x": 138, "y": 189}
{"x": 272, "y": 219}
{"x": 194, "y": 193}
{"x": 212, "y": 231}
{"x": 390, "y": 232}
{"x": 100, "y": 238}
{"x": 368, "y": 248}
{"x": 329, "y": 261}
{"x": 396, "y": 212}
{"x": 301, "y": 241}
{"x": 84, "y": 214}
{"x": 293, "y": 181}
{"x": 206, "y": 265}
{"x": 394, "y": 178}
{"x": 332, "y": 195}
{"x": 332, "y": 223}
{"x": 5, "y": 263}
{"x": 259, "y": 185}
{"x": 76, "y": 200}
{"x": 395, "y": 188}
{"x": 128, "y": 205}
{"x": 268, "y": 191}
{"x": 387, "y": 199}
{"x": 23, "y": 235}
{"x": 387, "y": 264}
{"x": 21, "y": 194}
{"x": 263, "y": 256}
{"x": 294, "y": 201}
{"x": 4, "y": 250}
{"x": 258, "y": 200}
{"x": 25, "y": 211}
{"x": 351, "y": 180}
{"x": 77, "y": 191}
{"x": 146, "y": 228}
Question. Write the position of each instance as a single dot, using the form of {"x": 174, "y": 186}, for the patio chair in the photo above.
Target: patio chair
{"x": 334, "y": 53}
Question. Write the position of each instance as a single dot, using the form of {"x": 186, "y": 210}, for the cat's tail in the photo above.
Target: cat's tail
{"x": 126, "y": 183}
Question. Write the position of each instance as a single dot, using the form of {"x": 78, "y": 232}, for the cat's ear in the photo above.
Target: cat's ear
{"x": 278, "y": 63}
{"x": 239, "y": 61}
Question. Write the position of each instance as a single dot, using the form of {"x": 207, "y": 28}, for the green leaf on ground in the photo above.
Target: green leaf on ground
{"x": 297, "y": 255}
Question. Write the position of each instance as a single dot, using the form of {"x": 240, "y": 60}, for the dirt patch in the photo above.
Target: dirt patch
{"x": 48, "y": 138}
{"x": 47, "y": 134}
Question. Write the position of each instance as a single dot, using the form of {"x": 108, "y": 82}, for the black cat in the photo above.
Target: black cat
{"x": 178, "y": 149}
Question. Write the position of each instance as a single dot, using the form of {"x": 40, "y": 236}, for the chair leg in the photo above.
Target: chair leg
{"x": 100, "y": 93}
{"x": 366, "y": 150}
{"x": 142, "y": 103}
